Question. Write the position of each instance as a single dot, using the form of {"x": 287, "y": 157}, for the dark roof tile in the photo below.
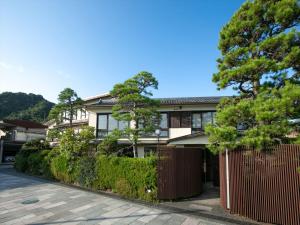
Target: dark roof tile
{"x": 173, "y": 101}
{"x": 25, "y": 123}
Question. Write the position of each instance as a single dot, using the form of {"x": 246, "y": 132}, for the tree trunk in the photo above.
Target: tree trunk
{"x": 256, "y": 86}
{"x": 71, "y": 114}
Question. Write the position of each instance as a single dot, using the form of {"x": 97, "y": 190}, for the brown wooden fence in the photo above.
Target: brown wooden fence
{"x": 263, "y": 186}
{"x": 179, "y": 172}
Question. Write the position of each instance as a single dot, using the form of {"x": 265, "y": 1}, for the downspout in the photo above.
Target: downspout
{"x": 227, "y": 181}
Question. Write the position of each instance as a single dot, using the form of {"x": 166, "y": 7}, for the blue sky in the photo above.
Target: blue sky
{"x": 89, "y": 46}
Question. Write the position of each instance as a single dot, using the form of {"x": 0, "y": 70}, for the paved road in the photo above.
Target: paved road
{"x": 58, "y": 204}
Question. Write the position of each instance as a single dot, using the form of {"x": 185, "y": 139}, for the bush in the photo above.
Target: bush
{"x": 130, "y": 177}
{"x": 87, "y": 171}
{"x": 35, "y": 162}
{"x": 71, "y": 162}
{"x": 39, "y": 163}
{"x": 21, "y": 163}
{"x": 64, "y": 169}
{"x": 37, "y": 144}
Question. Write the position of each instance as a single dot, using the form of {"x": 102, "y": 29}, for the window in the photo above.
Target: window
{"x": 83, "y": 114}
{"x": 163, "y": 126}
{"x": 196, "y": 120}
{"x": 112, "y": 123}
{"x": 206, "y": 119}
{"x": 106, "y": 124}
{"x": 214, "y": 117}
{"x": 201, "y": 119}
{"x": 163, "y": 120}
{"x": 180, "y": 119}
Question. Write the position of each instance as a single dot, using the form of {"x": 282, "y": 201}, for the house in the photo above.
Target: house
{"x": 182, "y": 122}
{"x": 182, "y": 126}
{"x": 21, "y": 130}
{"x": 14, "y": 133}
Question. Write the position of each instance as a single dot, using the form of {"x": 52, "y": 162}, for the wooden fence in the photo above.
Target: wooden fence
{"x": 264, "y": 186}
{"x": 179, "y": 172}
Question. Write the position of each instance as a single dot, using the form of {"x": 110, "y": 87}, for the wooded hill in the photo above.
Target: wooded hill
{"x": 24, "y": 106}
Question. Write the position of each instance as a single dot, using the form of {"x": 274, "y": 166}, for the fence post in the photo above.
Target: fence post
{"x": 227, "y": 181}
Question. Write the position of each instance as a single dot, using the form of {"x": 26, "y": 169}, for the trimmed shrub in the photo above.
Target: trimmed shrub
{"x": 130, "y": 177}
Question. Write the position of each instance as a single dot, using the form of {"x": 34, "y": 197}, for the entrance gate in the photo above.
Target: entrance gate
{"x": 179, "y": 172}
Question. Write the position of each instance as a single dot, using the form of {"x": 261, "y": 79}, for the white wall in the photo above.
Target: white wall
{"x": 93, "y": 119}
{"x": 179, "y": 132}
{"x": 25, "y": 136}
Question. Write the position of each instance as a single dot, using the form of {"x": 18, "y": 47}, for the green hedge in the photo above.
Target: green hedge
{"x": 129, "y": 177}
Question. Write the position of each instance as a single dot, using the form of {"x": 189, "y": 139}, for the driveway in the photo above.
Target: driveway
{"x": 53, "y": 203}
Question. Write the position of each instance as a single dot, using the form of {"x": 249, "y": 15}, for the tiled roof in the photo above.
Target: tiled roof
{"x": 173, "y": 101}
{"x": 25, "y": 123}
{"x": 104, "y": 95}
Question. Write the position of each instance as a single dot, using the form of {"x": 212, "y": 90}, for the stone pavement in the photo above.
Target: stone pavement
{"x": 53, "y": 203}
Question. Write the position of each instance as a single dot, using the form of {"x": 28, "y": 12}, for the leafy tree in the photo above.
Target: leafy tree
{"x": 68, "y": 104}
{"x": 76, "y": 144}
{"x": 110, "y": 145}
{"x": 135, "y": 105}
{"x": 53, "y": 134}
{"x": 260, "y": 49}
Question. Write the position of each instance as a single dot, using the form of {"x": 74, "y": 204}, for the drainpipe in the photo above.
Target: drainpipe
{"x": 227, "y": 181}
{"x": 1, "y": 150}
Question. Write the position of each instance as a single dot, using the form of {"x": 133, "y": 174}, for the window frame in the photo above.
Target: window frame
{"x": 106, "y": 131}
{"x": 201, "y": 112}
{"x": 161, "y": 129}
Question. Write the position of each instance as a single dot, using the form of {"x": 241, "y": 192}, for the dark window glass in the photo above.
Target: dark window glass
{"x": 175, "y": 119}
{"x": 186, "y": 120}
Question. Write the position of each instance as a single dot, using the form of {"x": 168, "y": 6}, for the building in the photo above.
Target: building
{"x": 182, "y": 122}
{"x": 14, "y": 133}
{"x": 182, "y": 126}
